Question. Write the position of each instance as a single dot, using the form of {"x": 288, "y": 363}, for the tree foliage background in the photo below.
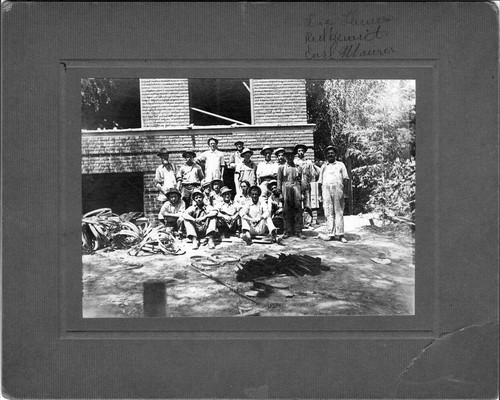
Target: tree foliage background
{"x": 372, "y": 125}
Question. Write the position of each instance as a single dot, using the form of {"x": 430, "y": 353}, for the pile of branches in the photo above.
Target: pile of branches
{"x": 285, "y": 264}
{"x": 103, "y": 229}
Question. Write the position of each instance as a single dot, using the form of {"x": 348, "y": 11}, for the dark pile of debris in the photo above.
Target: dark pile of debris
{"x": 285, "y": 264}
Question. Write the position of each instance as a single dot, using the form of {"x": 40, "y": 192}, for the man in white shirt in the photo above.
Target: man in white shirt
{"x": 332, "y": 181}
{"x": 171, "y": 211}
{"x": 165, "y": 175}
{"x": 267, "y": 170}
{"x": 213, "y": 159}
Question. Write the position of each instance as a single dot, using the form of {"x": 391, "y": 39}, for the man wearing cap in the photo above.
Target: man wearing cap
{"x": 164, "y": 175}
{"x": 189, "y": 176}
{"x": 206, "y": 189}
{"x": 308, "y": 175}
{"x": 332, "y": 180}
{"x": 228, "y": 217}
{"x": 266, "y": 170}
{"x": 246, "y": 170}
{"x": 255, "y": 219}
{"x": 200, "y": 221}
{"x": 213, "y": 159}
{"x": 290, "y": 185}
{"x": 234, "y": 160}
{"x": 171, "y": 211}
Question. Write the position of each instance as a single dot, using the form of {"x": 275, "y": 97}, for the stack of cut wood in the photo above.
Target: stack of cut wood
{"x": 287, "y": 264}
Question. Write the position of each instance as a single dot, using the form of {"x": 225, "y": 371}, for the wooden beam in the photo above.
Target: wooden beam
{"x": 249, "y": 91}
{"x": 218, "y": 116}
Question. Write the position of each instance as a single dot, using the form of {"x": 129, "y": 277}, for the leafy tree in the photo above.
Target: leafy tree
{"x": 110, "y": 103}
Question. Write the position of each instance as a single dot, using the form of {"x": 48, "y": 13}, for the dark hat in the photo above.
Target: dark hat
{"x": 239, "y": 142}
{"x": 289, "y": 150}
{"x": 163, "y": 152}
{"x": 300, "y": 146}
{"x": 205, "y": 183}
{"x": 246, "y": 150}
{"x": 225, "y": 189}
{"x": 197, "y": 191}
{"x": 217, "y": 180}
{"x": 212, "y": 138}
{"x": 266, "y": 148}
{"x": 272, "y": 182}
{"x": 331, "y": 148}
{"x": 185, "y": 153}
{"x": 256, "y": 188}
{"x": 172, "y": 190}
{"x": 279, "y": 150}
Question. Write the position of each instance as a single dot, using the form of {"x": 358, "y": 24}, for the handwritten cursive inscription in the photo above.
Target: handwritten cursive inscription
{"x": 347, "y": 36}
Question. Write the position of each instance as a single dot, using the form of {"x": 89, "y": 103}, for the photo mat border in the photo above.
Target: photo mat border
{"x": 423, "y": 323}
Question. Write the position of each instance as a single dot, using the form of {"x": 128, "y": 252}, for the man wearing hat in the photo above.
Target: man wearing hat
{"x": 171, "y": 211}
{"x": 280, "y": 156}
{"x": 164, "y": 175}
{"x": 200, "y": 221}
{"x": 332, "y": 180}
{"x": 255, "y": 219}
{"x": 189, "y": 176}
{"x": 234, "y": 160}
{"x": 266, "y": 170}
{"x": 275, "y": 204}
{"x": 215, "y": 196}
{"x": 206, "y": 189}
{"x": 290, "y": 185}
{"x": 308, "y": 175}
{"x": 213, "y": 160}
{"x": 228, "y": 217}
{"x": 246, "y": 170}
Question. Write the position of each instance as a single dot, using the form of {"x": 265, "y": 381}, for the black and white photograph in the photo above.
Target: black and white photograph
{"x": 248, "y": 197}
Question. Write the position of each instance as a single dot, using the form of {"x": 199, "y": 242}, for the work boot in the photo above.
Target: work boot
{"x": 300, "y": 235}
{"x": 246, "y": 237}
{"x": 211, "y": 244}
{"x": 274, "y": 235}
{"x": 343, "y": 239}
{"x": 196, "y": 243}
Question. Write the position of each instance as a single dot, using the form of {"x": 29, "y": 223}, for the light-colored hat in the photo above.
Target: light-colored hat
{"x": 217, "y": 180}
{"x": 279, "y": 150}
{"x": 266, "y": 148}
{"x": 205, "y": 183}
{"x": 246, "y": 150}
{"x": 225, "y": 189}
{"x": 272, "y": 182}
{"x": 196, "y": 191}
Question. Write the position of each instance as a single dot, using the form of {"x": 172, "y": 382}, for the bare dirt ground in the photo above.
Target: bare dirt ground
{"x": 354, "y": 285}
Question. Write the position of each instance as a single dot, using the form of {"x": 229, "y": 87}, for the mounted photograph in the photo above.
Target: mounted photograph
{"x": 210, "y": 197}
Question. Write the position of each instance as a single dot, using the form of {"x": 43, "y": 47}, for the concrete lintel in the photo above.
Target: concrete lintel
{"x": 194, "y": 130}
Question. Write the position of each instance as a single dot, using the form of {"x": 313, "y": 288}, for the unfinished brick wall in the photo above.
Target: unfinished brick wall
{"x": 279, "y": 101}
{"x": 112, "y": 153}
{"x": 164, "y": 102}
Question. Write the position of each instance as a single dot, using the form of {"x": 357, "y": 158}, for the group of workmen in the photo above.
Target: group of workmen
{"x": 268, "y": 198}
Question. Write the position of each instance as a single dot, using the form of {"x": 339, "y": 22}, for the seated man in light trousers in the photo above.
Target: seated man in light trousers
{"x": 255, "y": 217}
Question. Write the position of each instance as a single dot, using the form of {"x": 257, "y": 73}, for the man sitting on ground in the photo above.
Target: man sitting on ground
{"x": 215, "y": 194}
{"x": 255, "y": 219}
{"x": 275, "y": 204}
{"x": 228, "y": 217}
{"x": 172, "y": 210}
{"x": 200, "y": 221}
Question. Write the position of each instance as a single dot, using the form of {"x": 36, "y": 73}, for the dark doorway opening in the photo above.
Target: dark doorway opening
{"x": 121, "y": 192}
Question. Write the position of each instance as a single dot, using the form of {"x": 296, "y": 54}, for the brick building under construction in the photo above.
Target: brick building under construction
{"x": 118, "y": 165}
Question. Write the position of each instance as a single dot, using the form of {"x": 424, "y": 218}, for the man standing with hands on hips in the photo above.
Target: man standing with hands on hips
{"x": 333, "y": 178}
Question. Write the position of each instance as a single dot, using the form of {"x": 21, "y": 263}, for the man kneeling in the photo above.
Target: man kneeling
{"x": 200, "y": 221}
{"x": 255, "y": 219}
{"x": 228, "y": 217}
{"x": 171, "y": 213}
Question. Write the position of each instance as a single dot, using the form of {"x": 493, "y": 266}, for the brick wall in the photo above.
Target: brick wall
{"x": 279, "y": 101}
{"x": 112, "y": 153}
{"x": 164, "y": 102}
